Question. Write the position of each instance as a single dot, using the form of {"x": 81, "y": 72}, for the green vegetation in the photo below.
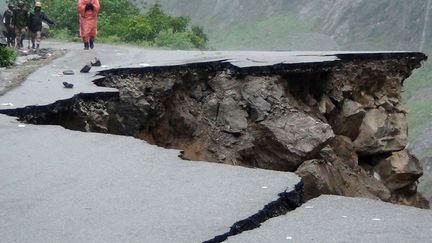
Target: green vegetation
{"x": 120, "y": 21}
{"x": 7, "y": 56}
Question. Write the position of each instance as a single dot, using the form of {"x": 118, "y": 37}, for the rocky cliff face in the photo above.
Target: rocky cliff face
{"x": 339, "y": 125}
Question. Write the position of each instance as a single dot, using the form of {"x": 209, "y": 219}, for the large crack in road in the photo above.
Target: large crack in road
{"x": 287, "y": 201}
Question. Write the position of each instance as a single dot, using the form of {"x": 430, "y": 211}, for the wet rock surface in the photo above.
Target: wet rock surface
{"x": 335, "y": 124}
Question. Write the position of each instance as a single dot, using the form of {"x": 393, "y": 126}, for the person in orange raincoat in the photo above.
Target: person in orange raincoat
{"x": 88, "y": 11}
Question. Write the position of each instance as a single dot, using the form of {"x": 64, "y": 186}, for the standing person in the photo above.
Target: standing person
{"x": 7, "y": 20}
{"x": 88, "y": 11}
{"x": 35, "y": 24}
{"x": 19, "y": 20}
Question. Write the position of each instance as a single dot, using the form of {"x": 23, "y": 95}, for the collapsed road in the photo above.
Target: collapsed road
{"x": 333, "y": 118}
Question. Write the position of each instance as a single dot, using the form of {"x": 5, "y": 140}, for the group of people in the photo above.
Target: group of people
{"x": 21, "y": 23}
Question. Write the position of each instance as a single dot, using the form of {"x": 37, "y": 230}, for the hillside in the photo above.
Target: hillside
{"x": 249, "y": 25}
{"x": 352, "y": 24}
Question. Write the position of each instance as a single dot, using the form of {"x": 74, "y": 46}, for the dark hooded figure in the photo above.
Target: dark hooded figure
{"x": 35, "y": 24}
{"x": 19, "y": 21}
{"x": 10, "y": 31}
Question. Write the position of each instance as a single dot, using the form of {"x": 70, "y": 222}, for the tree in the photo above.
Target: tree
{"x": 198, "y": 37}
{"x": 179, "y": 24}
{"x": 158, "y": 19}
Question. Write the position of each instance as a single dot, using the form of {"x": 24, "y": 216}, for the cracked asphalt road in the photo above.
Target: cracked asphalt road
{"x": 58, "y": 185}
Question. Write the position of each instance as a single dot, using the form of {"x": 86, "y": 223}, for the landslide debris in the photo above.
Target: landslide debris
{"x": 340, "y": 125}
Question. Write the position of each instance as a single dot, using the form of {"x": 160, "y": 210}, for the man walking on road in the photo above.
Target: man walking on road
{"x": 35, "y": 24}
{"x": 88, "y": 11}
{"x": 10, "y": 31}
{"x": 19, "y": 21}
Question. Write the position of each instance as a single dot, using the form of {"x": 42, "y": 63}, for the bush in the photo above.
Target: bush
{"x": 7, "y": 56}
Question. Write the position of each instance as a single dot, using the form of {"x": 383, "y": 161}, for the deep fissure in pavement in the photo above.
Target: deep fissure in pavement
{"x": 286, "y": 202}
{"x": 315, "y": 119}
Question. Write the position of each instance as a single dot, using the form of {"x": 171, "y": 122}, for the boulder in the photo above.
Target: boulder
{"x": 255, "y": 92}
{"x": 211, "y": 107}
{"x": 222, "y": 82}
{"x": 367, "y": 101}
{"x": 342, "y": 149}
{"x": 349, "y": 119}
{"x": 381, "y": 132}
{"x": 399, "y": 170}
{"x": 337, "y": 178}
{"x": 285, "y": 141}
{"x": 232, "y": 117}
{"x": 259, "y": 108}
{"x": 325, "y": 105}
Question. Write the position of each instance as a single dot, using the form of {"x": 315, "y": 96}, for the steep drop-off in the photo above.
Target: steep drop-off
{"x": 340, "y": 125}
